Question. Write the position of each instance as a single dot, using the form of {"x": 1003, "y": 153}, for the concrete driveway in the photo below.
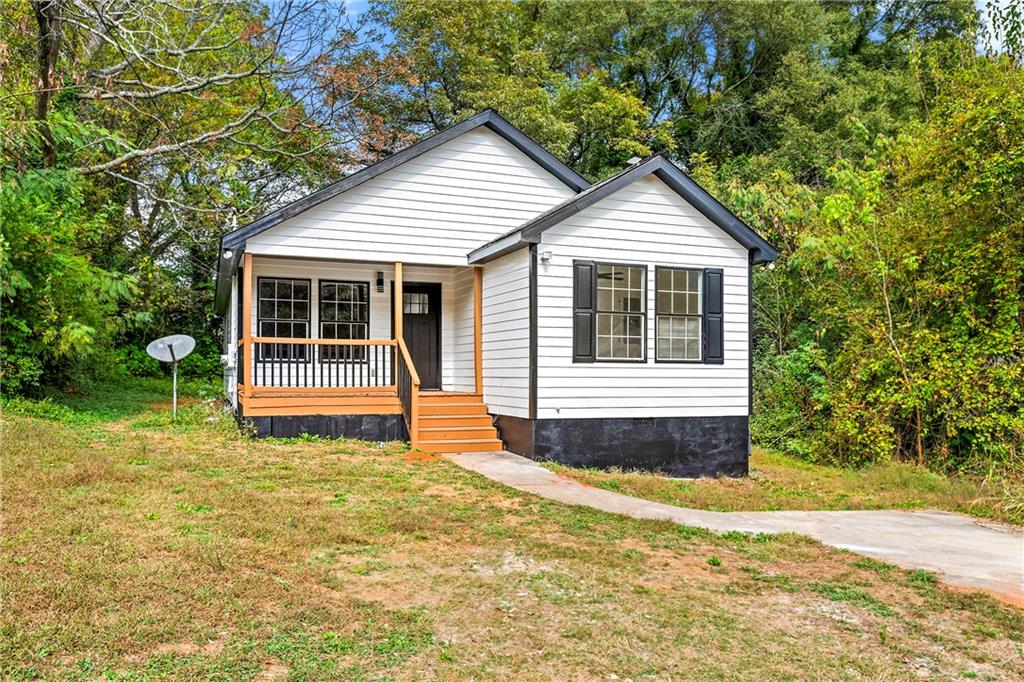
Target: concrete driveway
{"x": 963, "y": 551}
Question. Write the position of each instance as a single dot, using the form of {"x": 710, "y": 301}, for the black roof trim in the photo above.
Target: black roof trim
{"x": 489, "y": 118}
{"x": 664, "y": 170}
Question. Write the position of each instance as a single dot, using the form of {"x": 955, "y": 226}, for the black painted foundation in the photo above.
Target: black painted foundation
{"x": 379, "y": 427}
{"x": 687, "y": 447}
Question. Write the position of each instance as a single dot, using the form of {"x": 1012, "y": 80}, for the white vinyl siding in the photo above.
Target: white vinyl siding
{"x": 380, "y": 303}
{"x": 645, "y": 223}
{"x": 463, "y": 372}
{"x": 506, "y": 334}
{"x": 432, "y": 210}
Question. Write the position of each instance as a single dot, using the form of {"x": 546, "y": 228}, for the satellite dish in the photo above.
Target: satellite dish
{"x": 172, "y": 349}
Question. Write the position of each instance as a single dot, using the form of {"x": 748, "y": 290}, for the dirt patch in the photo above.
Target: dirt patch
{"x": 212, "y": 647}
{"x": 417, "y": 456}
{"x": 508, "y": 564}
{"x": 273, "y": 671}
{"x": 442, "y": 490}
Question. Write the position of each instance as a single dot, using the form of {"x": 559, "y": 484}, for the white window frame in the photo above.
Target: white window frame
{"x": 611, "y": 313}
{"x": 673, "y": 314}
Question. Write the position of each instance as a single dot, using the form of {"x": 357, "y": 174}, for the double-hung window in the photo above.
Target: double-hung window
{"x": 679, "y": 314}
{"x": 344, "y": 314}
{"x": 283, "y": 311}
{"x": 621, "y": 312}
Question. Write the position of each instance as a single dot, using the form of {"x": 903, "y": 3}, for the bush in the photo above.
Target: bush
{"x": 60, "y": 311}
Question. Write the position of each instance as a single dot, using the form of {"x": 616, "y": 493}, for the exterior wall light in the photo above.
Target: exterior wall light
{"x": 380, "y": 281}
{"x": 545, "y": 257}
{"x": 227, "y": 254}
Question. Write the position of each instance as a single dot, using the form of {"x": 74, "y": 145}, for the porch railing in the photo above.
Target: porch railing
{"x": 408, "y": 386}
{"x": 275, "y": 362}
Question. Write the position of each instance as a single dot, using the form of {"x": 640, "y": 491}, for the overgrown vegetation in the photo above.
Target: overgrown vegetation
{"x": 138, "y": 548}
{"x": 873, "y": 143}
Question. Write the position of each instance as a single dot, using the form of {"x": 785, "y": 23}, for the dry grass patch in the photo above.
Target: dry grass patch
{"x": 778, "y": 482}
{"x": 141, "y": 549}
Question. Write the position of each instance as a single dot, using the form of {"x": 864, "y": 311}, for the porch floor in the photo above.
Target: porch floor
{"x": 449, "y": 421}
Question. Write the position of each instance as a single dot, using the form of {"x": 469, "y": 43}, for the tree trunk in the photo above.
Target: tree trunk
{"x": 918, "y": 444}
{"x": 48, "y": 17}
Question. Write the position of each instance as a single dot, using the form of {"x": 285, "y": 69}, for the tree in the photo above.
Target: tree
{"x": 176, "y": 121}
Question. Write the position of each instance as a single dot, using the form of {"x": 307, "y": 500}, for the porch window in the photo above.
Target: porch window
{"x": 621, "y": 312}
{"x": 344, "y": 314}
{"x": 283, "y": 311}
{"x": 679, "y": 314}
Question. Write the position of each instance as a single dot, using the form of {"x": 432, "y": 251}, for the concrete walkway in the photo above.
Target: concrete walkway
{"x": 963, "y": 551}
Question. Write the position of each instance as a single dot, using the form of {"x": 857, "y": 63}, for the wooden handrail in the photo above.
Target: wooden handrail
{"x": 408, "y": 361}
{"x": 413, "y": 415}
{"x": 323, "y": 342}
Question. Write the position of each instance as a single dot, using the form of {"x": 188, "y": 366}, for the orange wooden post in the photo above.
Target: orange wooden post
{"x": 397, "y": 332}
{"x": 478, "y": 328}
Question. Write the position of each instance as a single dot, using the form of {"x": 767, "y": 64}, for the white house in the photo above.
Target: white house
{"x": 472, "y": 292}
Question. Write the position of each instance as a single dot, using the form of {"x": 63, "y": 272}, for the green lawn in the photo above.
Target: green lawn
{"x": 134, "y": 548}
{"x": 780, "y": 482}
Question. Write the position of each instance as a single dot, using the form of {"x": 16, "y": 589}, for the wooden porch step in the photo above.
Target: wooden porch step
{"x": 462, "y": 445}
{"x": 448, "y": 397}
{"x": 431, "y": 433}
{"x": 454, "y": 420}
{"x": 453, "y": 408}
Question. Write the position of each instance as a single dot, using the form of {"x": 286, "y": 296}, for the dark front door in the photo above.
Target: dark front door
{"x": 421, "y": 321}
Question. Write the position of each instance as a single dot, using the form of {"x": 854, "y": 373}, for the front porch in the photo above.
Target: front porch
{"x": 370, "y": 350}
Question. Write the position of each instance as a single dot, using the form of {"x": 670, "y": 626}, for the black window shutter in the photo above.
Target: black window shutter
{"x": 713, "y": 344}
{"x": 583, "y": 284}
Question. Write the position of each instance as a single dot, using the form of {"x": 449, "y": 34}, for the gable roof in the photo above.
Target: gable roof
{"x": 234, "y": 242}
{"x": 664, "y": 170}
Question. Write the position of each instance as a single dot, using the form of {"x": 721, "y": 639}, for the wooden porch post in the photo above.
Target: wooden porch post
{"x": 247, "y": 278}
{"x": 397, "y": 330}
{"x": 478, "y": 328}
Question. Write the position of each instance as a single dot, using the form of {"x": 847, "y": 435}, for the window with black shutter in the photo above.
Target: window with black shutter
{"x": 609, "y": 312}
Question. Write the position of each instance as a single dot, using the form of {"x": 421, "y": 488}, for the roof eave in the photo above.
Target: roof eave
{"x": 667, "y": 172}
{"x": 226, "y": 268}
{"x": 498, "y": 248}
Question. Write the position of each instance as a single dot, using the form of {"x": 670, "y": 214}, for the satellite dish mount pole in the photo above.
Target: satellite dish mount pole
{"x": 174, "y": 383}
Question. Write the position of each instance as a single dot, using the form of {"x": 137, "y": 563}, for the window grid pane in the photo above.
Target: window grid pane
{"x": 283, "y": 311}
{"x": 344, "y": 314}
{"x": 620, "y": 336}
{"x": 416, "y": 303}
{"x": 679, "y": 314}
{"x": 679, "y": 337}
{"x": 621, "y": 308}
{"x": 620, "y": 289}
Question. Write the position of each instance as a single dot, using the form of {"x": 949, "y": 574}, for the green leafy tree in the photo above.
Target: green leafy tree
{"x": 911, "y": 279}
{"x": 60, "y": 310}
